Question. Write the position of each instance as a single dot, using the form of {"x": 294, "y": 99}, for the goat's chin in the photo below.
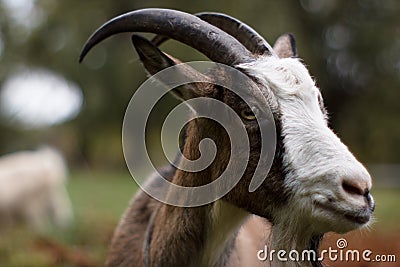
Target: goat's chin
{"x": 317, "y": 222}
{"x": 340, "y": 221}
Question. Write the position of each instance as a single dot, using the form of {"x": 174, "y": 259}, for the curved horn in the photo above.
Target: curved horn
{"x": 246, "y": 35}
{"x": 186, "y": 28}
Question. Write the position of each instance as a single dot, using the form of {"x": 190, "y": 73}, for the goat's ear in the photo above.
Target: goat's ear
{"x": 285, "y": 46}
{"x": 154, "y": 60}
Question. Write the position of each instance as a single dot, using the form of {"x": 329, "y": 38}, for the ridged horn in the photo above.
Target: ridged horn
{"x": 246, "y": 35}
{"x": 216, "y": 44}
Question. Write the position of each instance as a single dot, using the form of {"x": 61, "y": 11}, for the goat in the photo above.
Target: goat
{"x": 315, "y": 184}
{"x": 32, "y": 189}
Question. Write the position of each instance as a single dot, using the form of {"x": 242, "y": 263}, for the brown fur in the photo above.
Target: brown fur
{"x": 155, "y": 234}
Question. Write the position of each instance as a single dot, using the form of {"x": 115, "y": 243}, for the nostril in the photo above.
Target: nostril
{"x": 352, "y": 188}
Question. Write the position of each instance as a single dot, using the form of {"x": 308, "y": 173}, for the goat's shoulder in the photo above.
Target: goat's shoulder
{"x": 128, "y": 240}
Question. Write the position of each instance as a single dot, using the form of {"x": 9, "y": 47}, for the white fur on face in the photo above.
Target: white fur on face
{"x": 315, "y": 158}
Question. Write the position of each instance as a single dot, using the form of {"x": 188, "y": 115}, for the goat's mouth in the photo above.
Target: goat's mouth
{"x": 358, "y": 216}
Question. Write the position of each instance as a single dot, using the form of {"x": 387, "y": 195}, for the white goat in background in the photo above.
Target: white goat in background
{"x": 32, "y": 189}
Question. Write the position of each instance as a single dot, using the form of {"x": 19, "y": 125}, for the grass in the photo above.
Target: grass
{"x": 387, "y": 212}
{"x": 99, "y": 199}
{"x": 101, "y": 195}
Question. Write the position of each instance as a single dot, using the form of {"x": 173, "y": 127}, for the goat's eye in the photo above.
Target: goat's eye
{"x": 248, "y": 115}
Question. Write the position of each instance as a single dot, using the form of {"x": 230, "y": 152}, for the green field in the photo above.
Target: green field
{"x": 99, "y": 199}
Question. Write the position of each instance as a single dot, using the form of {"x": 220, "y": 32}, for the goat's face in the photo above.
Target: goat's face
{"x": 314, "y": 180}
{"x": 326, "y": 186}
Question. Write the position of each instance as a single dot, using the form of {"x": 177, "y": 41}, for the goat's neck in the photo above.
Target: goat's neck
{"x": 222, "y": 229}
{"x": 201, "y": 236}
{"x": 289, "y": 235}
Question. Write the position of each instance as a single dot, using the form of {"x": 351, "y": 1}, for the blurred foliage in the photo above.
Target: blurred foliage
{"x": 351, "y": 48}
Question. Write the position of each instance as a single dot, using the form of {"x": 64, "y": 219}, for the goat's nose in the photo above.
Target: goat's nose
{"x": 370, "y": 200}
{"x": 357, "y": 187}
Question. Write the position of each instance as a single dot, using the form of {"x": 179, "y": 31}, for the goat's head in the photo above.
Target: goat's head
{"x": 315, "y": 181}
